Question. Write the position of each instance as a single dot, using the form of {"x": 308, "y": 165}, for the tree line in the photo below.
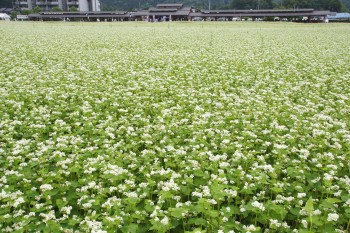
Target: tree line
{"x": 132, "y": 5}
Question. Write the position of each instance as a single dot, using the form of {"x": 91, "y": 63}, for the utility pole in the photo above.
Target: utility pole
{"x": 209, "y": 5}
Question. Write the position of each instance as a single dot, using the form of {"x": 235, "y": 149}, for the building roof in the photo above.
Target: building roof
{"x": 161, "y": 10}
{"x": 4, "y": 16}
{"x": 169, "y": 5}
{"x": 260, "y": 13}
{"x": 339, "y": 16}
{"x": 84, "y": 13}
{"x": 6, "y": 10}
{"x": 153, "y": 9}
{"x": 257, "y": 11}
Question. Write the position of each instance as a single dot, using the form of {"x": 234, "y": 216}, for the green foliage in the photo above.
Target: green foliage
{"x": 56, "y": 9}
{"x": 252, "y": 4}
{"x": 333, "y": 5}
{"x": 346, "y": 3}
{"x": 73, "y": 9}
{"x": 14, "y": 15}
{"x": 37, "y": 9}
{"x": 26, "y": 12}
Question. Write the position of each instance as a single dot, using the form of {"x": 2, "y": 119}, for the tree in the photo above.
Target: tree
{"x": 73, "y": 9}
{"x": 243, "y": 4}
{"x": 297, "y": 3}
{"x": 37, "y": 9}
{"x": 335, "y": 5}
{"x": 26, "y": 12}
{"x": 252, "y": 4}
{"x": 14, "y": 15}
{"x": 332, "y": 5}
{"x": 346, "y": 4}
{"x": 56, "y": 9}
{"x": 132, "y": 5}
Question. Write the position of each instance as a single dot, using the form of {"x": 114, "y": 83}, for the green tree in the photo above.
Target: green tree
{"x": 335, "y": 5}
{"x": 252, "y": 4}
{"x": 73, "y": 9}
{"x": 37, "y": 9}
{"x": 26, "y": 12}
{"x": 346, "y": 4}
{"x": 332, "y": 5}
{"x": 14, "y": 15}
{"x": 56, "y": 9}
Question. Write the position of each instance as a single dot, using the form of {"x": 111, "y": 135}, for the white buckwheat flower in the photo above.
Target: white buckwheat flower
{"x": 304, "y": 222}
{"x": 46, "y": 187}
{"x": 165, "y": 221}
{"x": 258, "y": 205}
{"x": 18, "y": 201}
{"x": 332, "y": 217}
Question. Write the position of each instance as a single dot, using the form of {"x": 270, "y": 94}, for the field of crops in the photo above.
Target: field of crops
{"x": 174, "y": 127}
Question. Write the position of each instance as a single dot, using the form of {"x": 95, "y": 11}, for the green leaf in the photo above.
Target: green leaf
{"x": 133, "y": 228}
{"x": 177, "y": 212}
{"x": 60, "y": 203}
{"x": 196, "y": 230}
{"x": 53, "y": 227}
{"x": 316, "y": 220}
{"x": 213, "y": 213}
{"x": 309, "y": 206}
{"x": 345, "y": 197}
{"x": 333, "y": 200}
{"x": 186, "y": 190}
{"x": 197, "y": 221}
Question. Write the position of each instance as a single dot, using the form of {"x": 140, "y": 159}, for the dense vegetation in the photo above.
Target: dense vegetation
{"x": 334, "y": 5}
{"x": 174, "y": 127}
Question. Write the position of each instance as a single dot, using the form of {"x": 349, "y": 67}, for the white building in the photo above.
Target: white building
{"x": 64, "y": 5}
{"x": 4, "y": 16}
{"x": 89, "y": 5}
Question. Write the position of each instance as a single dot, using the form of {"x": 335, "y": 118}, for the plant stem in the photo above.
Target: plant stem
{"x": 310, "y": 223}
{"x": 256, "y": 219}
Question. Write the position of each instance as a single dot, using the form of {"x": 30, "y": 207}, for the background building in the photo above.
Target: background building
{"x": 89, "y": 5}
{"x": 178, "y": 12}
{"x": 64, "y": 5}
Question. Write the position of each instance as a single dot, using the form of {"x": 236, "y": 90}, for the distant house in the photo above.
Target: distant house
{"x": 257, "y": 15}
{"x": 164, "y": 12}
{"x": 339, "y": 17}
{"x": 4, "y": 16}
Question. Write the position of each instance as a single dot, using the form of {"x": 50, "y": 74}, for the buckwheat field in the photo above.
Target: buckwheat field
{"x": 174, "y": 127}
